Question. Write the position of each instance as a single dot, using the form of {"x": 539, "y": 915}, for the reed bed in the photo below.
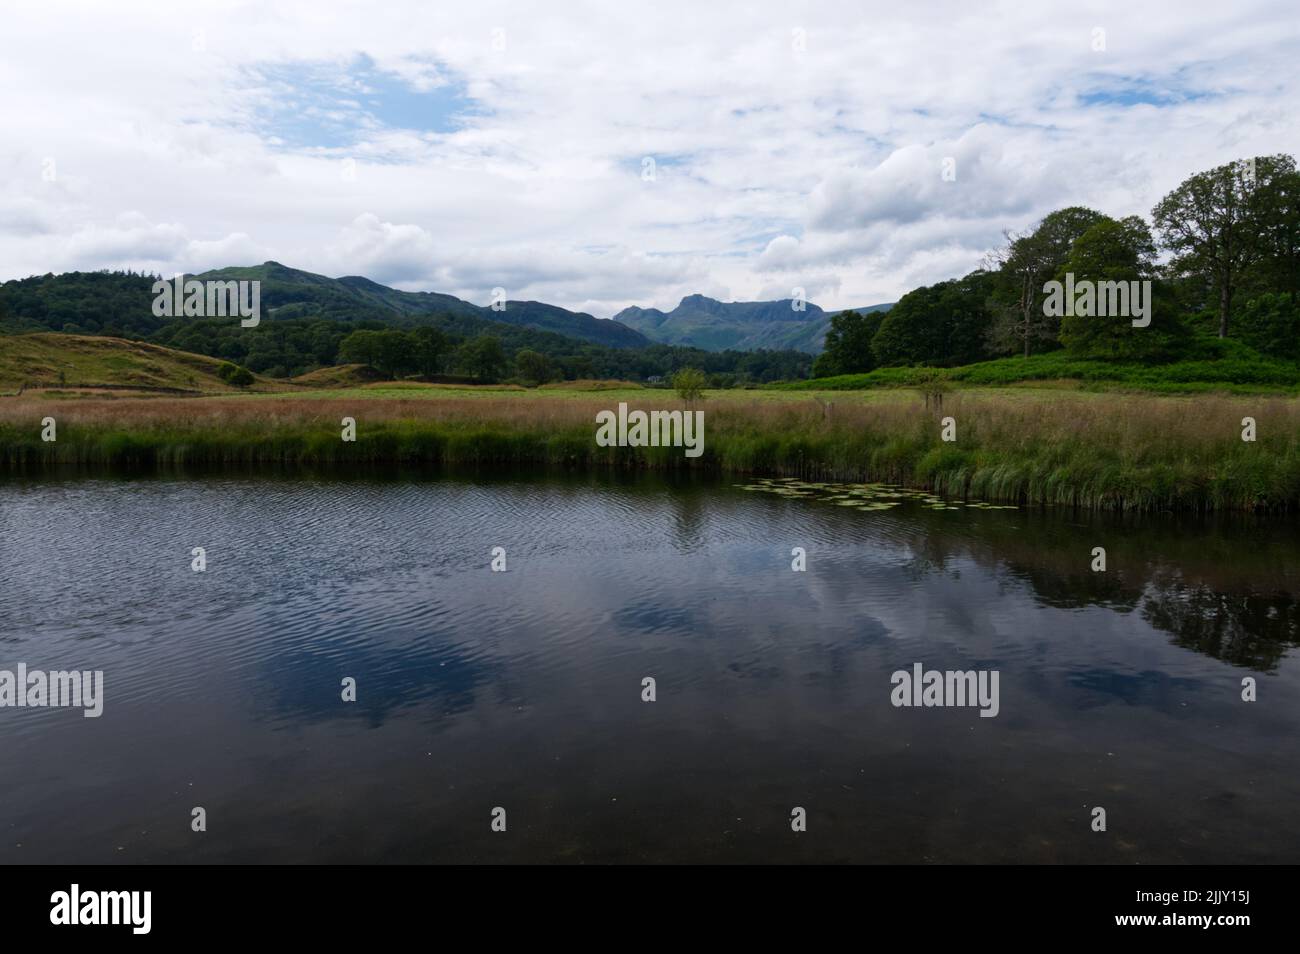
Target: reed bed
{"x": 1113, "y": 452}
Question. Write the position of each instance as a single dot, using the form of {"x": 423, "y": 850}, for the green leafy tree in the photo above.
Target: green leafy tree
{"x": 360, "y": 347}
{"x": 1216, "y": 224}
{"x": 323, "y": 348}
{"x": 483, "y": 358}
{"x": 429, "y": 348}
{"x": 388, "y": 352}
{"x": 533, "y": 367}
{"x": 1278, "y": 215}
{"x": 1120, "y": 251}
{"x": 944, "y": 324}
{"x": 393, "y": 353}
{"x": 689, "y": 384}
{"x": 848, "y": 344}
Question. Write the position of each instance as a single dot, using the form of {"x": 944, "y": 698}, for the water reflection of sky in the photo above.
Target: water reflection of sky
{"x": 771, "y": 683}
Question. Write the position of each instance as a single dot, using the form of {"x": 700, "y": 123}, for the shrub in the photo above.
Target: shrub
{"x": 689, "y": 383}
{"x": 234, "y": 374}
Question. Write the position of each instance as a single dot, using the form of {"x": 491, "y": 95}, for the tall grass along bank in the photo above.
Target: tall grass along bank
{"x": 1108, "y": 451}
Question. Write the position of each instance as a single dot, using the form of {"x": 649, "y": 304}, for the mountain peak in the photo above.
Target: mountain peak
{"x": 705, "y": 322}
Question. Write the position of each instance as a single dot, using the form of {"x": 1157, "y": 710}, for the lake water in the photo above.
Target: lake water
{"x": 523, "y": 689}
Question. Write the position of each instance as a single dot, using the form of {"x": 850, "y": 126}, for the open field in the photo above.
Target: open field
{"x": 1111, "y": 451}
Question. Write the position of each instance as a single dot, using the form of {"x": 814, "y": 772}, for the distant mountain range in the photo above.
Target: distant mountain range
{"x": 292, "y": 293}
{"x": 707, "y": 323}
{"x": 67, "y": 303}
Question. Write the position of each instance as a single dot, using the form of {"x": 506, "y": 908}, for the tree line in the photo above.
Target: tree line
{"x": 1221, "y": 253}
{"x": 464, "y": 349}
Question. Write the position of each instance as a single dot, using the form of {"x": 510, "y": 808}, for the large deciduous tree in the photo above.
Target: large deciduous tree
{"x": 1216, "y": 223}
{"x": 944, "y": 324}
{"x": 1121, "y": 252}
{"x": 533, "y": 367}
{"x": 483, "y": 357}
{"x": 1278, "y": 203}
{"x": 1027, "y": 262}
{"x": 429, "y": 347}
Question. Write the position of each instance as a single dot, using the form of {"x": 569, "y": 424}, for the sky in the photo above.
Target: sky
{"x": 600, "y": 155}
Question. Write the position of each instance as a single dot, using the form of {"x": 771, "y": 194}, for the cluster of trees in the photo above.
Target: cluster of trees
{"x": 116, "y": 303}
{"x": 428, "y": 352}
{"x": 1230, "y": 239}
{"x": 440, "y": 345}
{"x": 279, "y": 348}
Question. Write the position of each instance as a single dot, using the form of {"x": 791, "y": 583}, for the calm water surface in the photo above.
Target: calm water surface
{"x": 523, "y": 689}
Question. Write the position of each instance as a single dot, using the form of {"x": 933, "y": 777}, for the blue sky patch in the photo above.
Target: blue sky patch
{"x": 1132, "y": 91}
{"x": 330, "y": 105}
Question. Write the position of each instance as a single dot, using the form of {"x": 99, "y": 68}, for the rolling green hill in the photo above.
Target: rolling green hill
{"x": 46, "y": 360}
{"x": 122, "y": 304}
{"x": 292, "y": 293}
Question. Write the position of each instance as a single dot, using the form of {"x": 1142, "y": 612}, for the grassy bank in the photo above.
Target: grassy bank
{"x": 1109, "y": 451}
{"x": 1224, "y": 367}
{"x": 75, "y": 361}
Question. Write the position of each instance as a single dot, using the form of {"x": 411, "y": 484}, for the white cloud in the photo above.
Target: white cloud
{"x": 775, "y": 168}
{"x": 387, "y": 253}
